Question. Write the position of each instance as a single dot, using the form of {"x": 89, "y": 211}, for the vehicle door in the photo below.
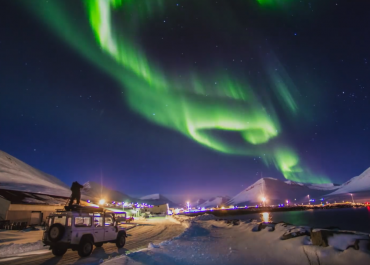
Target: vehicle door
{"x": 98, "y": 228}
{"x": 82, "y": 226}
{"x": 110, "y": 229}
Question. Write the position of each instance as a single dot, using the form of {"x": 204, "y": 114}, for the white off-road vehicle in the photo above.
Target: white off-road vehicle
{"x": 83, "y": 227}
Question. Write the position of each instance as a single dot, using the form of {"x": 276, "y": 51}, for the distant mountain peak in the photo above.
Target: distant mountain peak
{"x": 155, "y": 196}
{"x": 95, "y": 191}
{"x": 360, "y": 183}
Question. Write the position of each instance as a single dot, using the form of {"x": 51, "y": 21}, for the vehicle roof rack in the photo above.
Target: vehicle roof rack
{"x": 85, "y": 209}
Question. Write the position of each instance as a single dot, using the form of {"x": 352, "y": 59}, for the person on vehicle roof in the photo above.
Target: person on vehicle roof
{"x": 76, "y": 193}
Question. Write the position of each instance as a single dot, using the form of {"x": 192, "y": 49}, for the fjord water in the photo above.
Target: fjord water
{"x": 355, "y": 219}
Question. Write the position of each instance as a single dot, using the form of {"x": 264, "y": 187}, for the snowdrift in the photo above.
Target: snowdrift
{"x": 208, "y": 241}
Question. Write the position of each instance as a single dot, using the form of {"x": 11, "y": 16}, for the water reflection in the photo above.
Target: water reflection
{"x": 266, "y": 217}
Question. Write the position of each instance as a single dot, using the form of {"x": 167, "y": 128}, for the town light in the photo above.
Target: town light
{"x": 352, "y": 198}
{"x": 264, "y": 200}
{"x": 102, "y": 201}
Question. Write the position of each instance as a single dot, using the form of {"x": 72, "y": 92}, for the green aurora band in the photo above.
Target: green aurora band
{"x": 194, "y": 108}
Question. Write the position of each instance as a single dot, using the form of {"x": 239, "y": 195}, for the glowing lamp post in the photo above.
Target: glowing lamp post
{"x": 352, "y": 198}
{"x": 308, "y": 199}
{"x": 188, "y": 204}
{"x": 102, "y": 201}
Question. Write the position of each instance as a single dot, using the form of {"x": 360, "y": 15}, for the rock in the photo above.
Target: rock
{"x": 320, "y": 237}
{"x": 338, "y": 239}
{"x": 295, "y": 232}
{"x": 233, "y": 221}
{"x": 332, "y": 228}
{"x": 261, "y": 226}
{"x": 256, "y": 228}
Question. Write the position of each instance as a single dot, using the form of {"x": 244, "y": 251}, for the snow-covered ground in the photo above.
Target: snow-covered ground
{"x": 20, "y": 241}
{"x": 207, "y": 241}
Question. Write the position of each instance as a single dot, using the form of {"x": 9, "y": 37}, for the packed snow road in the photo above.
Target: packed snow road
{"x": 139, "y": 237}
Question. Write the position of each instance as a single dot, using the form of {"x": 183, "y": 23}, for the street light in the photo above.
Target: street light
{"x": 188, "y": 203}
{"x": 352, "y": 198}
{"x": 308, "y": 198}
{"x": 263, "y": 200}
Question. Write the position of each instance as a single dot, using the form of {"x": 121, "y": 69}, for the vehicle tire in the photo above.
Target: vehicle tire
{"x": 121, "y": 240}
{"x": 56, "y": 232}
{"x": 98, "y": 245}
{"x": 85, "y": 248}
{"x": 59, "y": 251}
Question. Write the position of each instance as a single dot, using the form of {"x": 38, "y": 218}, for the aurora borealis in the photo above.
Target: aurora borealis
{"x": 190, "y": 107}
{"x": 222, "y": 108}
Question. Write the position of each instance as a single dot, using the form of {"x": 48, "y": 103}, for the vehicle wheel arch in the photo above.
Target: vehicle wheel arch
{"x": 122, "y": 232}
{"x": 87, "y": 236}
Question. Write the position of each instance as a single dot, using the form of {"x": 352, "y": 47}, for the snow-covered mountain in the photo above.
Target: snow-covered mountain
{"x": 277, "y": 191}
{"x": 356, "y": 189}
{"x": 157, "y": 199}
{"x": 215, "y": 201}
{"x": 155, "y": 196}
{"x": 94, "y": 192}
{"x": 356, "y": 184}
{"x": 17, "y": 175}
{"x": 197, "y": 203}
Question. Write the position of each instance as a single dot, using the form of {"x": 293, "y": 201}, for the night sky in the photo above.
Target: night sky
{"x": 186, "y": 98}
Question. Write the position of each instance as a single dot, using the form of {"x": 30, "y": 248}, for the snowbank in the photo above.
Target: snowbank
{"x": 12, "y": 249}
{"x": 186, "y": 221}
{"x": 209, "y": 241}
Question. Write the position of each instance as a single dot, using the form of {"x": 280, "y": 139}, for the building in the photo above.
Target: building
{"x": 160, "y": 209}
{"x": 33, "y": 208}
{"x": 4, "y": 207}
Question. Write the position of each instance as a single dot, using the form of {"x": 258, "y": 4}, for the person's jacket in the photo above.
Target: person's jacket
{"x": 76, "y": 187}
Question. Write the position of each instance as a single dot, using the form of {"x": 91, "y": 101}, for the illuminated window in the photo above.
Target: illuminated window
{"x": 82, "y": 221}
{"x": 60, "y": 220}
{"x": 98, "y": 221}
{"x": 108, "y": 220}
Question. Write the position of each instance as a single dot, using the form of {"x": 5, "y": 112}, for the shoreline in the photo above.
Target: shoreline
{"x": 209, "y": 240}
{"x": 253, "y": 210}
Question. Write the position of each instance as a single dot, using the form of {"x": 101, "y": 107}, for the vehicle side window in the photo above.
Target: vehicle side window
{"x": 109, "y": 220}
{"x": 82, "y": 221}
{"x": 98, "y": 221}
